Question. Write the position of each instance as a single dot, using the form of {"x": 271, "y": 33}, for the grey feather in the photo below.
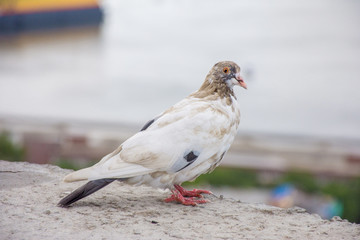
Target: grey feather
{"x": 188, "y": 158}
{"x": 149, "y": 123}
{"x": 85, "y": 190}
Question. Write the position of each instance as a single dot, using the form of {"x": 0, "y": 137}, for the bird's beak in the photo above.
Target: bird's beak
{"x": 240, "y": 80}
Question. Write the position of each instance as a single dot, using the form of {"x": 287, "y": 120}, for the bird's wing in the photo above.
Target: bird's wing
{"x": 170, "y": 142}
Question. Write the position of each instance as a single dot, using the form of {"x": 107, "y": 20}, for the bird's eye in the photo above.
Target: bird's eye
{"x": 226, "y": 70}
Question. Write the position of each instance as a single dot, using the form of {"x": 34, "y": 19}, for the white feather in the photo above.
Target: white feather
{"x": 148, "y": 157}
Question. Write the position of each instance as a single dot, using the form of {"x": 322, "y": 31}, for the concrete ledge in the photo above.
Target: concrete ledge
{"x": 29, "y": 194}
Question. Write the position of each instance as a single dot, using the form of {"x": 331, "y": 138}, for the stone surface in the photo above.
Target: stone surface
{"x": 29, "y": 194}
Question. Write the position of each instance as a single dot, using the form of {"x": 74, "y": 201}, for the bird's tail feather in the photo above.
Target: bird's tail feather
{"x": 82, "y": 174}
{"x": 85, "y": 190}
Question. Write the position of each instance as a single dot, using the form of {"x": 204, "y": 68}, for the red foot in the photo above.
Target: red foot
{"x": 193, "y": 193}
{"x": 185, "y": 197}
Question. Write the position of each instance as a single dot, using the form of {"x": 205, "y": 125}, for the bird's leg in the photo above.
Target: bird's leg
{"x": 192, "y": 193}
{"x": 185, "y": 197}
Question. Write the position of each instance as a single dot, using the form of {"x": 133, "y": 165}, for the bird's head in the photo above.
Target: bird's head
{"x": 226, "y": 72}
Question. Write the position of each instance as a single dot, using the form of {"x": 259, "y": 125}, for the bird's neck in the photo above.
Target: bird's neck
{"x": 214, "y": 89}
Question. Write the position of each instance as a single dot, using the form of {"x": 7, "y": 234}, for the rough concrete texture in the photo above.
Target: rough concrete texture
{"x": 29, "y": 194}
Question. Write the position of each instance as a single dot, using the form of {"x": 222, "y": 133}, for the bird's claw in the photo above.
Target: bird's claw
{"x": 192, "y": 193}
{"x": 185, "y": 197}
{"x": 188, "y": 201}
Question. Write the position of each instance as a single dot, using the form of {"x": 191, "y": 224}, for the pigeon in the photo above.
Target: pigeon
{"x": 188, "y": 139}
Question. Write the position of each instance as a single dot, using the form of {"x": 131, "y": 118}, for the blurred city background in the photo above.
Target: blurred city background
{"x": 79, "y": 77}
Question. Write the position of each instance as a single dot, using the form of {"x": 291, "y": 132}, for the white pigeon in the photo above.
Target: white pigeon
{"x": 180, "y": 144}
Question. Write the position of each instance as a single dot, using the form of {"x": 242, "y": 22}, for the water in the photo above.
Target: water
{"x": 301, "y": 60}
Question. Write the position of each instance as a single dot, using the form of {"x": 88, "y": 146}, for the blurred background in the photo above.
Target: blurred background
{"x": 79, "y": 77}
